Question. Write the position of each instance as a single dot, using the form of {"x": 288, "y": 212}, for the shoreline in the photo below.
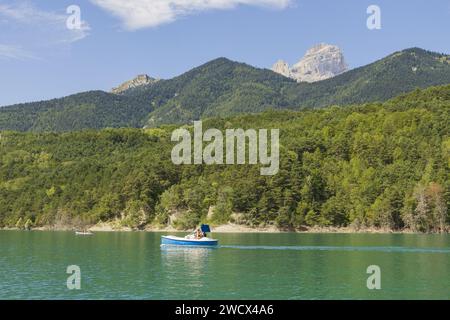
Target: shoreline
{"x": 224, "y": 228}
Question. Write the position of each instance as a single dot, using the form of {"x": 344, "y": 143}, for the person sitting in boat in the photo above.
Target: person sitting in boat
{"x": 199, "y": 234}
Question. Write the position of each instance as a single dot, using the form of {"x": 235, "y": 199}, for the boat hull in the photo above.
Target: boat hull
{"x": 177, "y": 241}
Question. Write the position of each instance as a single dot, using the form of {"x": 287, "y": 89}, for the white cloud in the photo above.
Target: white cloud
{"x": 14, "y": 52}
{"x": 137, "y": 14}
{"x": 47, "y": 25}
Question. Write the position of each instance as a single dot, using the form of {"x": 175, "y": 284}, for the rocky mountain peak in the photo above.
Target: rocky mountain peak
{"x": 282, "y": 67}
{"x": 320, "y": 62}
{"x": 140, "y": 80}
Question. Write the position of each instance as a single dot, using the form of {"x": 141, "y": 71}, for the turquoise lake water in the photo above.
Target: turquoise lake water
{"x": 132, "y": 265}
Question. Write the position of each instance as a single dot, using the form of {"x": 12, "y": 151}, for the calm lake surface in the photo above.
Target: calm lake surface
{"x": 132, "y": 265}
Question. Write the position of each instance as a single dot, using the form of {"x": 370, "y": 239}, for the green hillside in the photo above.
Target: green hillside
{"x": 373, "y": 165}
{"x": 220, "y": 87}
{"x": 223, "y": 88}
{"x": 92, "y": 109}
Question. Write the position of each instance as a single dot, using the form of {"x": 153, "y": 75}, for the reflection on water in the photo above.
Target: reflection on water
{"x": 185, "y": 252}
{"x": 192, "y": 262}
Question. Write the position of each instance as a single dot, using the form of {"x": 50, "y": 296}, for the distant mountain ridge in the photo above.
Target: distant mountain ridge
{"x": 223, "y": 87}
{"x": 398, "y": 73}
{"x": 217, "y": 88}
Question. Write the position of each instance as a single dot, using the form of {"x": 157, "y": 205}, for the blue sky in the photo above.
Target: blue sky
{"x": 40, "y": 58}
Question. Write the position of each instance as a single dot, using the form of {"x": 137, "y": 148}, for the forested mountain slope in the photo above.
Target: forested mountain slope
{"x": 376, "y": 165}
{"x": 222, "y": 88}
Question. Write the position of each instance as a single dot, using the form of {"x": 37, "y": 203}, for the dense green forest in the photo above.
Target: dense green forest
{"x": 383, "y": 165}
{"x": 87, "y": 110}
{"x": 222, "y": 88}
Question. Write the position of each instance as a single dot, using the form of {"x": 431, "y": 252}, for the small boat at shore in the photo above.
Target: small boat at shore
{"x": 197, "y": 239}
{"x": 83, "y": 233}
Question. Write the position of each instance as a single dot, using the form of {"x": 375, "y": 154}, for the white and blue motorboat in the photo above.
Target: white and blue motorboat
{"x": 193, "y": 240}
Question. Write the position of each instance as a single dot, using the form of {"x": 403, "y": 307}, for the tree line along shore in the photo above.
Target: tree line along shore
{"x": 375, "y": 166}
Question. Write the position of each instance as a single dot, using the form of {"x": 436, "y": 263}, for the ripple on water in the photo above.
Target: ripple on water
{"x": 341, "y": 248}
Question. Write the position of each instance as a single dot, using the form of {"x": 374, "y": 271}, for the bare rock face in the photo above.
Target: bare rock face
{"x": 282, "y": 67}
{"x": 140, "y": 80}
{"x": 321, "y": 62}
